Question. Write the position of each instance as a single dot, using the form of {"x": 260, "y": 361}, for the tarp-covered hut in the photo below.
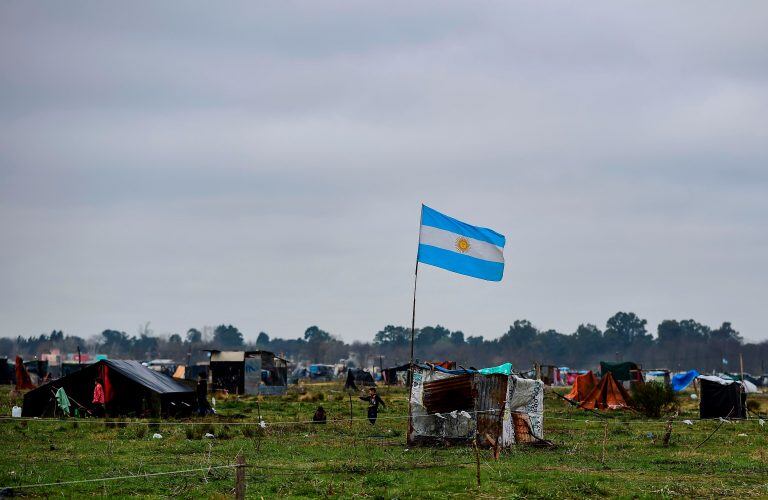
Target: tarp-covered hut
{"x": 454, "y": 406}
{"x": 130, "y": 389}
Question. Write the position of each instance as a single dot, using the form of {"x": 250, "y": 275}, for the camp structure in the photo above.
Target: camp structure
{"x": 396, "y": 375}
{"x": 625, "y": 371}
{"x": 322, "y": 372}
{"x": 130, "y": 389}
{"x": 582, "y": 387}
{"x": 248, "y": 372}
{"x": 455, "y": 406}
{"x": 660, "y": 375}
{"x": 549, "y": 374}
{"x": 607, "y": 395}
{"x": 721, "y": 398}
{"x": 358, "y": 377}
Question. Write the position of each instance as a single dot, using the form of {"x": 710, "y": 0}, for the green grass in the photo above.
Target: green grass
{"x": 344, "y": 460}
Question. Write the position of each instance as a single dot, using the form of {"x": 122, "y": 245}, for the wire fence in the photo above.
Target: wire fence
{"x": 570, "y": 434}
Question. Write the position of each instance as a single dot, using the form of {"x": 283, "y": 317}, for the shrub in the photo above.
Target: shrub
{"x": 653, "y": 399}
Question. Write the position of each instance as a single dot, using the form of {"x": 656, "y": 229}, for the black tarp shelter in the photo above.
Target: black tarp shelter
{"x": 721, "y": 398}
{"x": 130, "y": 389}
{"x": 621, "y": 371}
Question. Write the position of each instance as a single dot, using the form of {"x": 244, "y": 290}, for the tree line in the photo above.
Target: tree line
{"x": 677, "y": 345}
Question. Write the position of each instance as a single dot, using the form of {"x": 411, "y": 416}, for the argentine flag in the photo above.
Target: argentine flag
{"x": 456, "y": 246}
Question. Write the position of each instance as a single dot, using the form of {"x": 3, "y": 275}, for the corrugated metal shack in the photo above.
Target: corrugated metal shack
{"x": 453, "y": 406}
{"x": 248, "y": 372}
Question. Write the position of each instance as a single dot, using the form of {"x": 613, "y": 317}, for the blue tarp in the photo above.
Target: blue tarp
{"x": 682, "y": 380}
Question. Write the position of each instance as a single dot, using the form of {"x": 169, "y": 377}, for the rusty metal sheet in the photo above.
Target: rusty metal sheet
{"x": 490, "y": 392}
{"x": 446, "y": 395}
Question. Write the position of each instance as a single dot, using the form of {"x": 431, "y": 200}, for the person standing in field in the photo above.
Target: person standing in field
{"x": 373, "y": 401}
{"x": 99, "y": 410}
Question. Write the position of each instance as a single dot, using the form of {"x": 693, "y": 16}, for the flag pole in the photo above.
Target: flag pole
{"x": 413, "y": 314}
{"x": 413, "y": 310}
{"x": 413, "y": 334}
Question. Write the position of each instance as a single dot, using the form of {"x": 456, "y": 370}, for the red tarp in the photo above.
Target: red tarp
{"x": 108, "y": 390}
{"x": 583, "y": 385}
{"x": 22, "y": 377}
{"x": 607, "y": 395}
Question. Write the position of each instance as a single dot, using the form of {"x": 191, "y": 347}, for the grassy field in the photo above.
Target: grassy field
{"x": 620, "y": 457}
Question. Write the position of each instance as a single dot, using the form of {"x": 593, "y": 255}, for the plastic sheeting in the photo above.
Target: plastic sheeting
{"x": 682, "y": 380}
{"x": 505, "y": 369}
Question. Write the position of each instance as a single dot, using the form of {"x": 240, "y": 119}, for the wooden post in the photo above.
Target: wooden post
{"x": 668, "y": 434}
{"x": 477, "y": 461}
{"x": 350, "y": 411}
{"x": 240, "y": 478}
{"x": 605, "y": 438}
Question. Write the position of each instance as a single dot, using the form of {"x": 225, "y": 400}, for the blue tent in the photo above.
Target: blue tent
{"x": 682, "y": 380}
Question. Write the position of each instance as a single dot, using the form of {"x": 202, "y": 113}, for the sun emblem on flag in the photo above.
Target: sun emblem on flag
{"x": 462, "y": 244}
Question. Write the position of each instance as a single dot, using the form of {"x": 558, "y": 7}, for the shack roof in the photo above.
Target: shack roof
{"x": 219, "y": 355}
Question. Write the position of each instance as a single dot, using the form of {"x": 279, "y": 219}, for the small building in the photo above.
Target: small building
{"x": 130, "y": 389}
{"x": 457, "y": 406}
{"x": 248, "y": 372}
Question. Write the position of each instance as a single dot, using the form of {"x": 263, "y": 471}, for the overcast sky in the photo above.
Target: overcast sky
{"x": 263, "y": 163}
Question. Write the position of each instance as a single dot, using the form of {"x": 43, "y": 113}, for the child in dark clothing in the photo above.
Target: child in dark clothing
{"x": 373, "y": 401}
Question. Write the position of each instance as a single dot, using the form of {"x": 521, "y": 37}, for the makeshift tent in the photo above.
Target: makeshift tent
{"x": 358, "y": 376}
{"x": 5, "y": 372}
{"x": 749, "y": 387}
{"x": 454, "y": 406}
{"x": 682, "y": 380}
{"x": 322, "y": 372}
{"x": 721, "y": 398}
{"x": 390, "y": 375}
{"x": 608, "y": 394}
{"x": 621, "y": 371}
{"x": 582, "y": 387}
{"x": 129, "y": 388}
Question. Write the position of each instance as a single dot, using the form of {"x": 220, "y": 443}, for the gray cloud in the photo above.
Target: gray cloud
{"x": 264, "y": 164}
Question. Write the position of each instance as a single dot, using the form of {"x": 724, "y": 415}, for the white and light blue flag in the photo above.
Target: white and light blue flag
{"x": 459, "y": 247}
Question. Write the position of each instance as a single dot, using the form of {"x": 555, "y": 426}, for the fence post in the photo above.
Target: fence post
{"x": 605, "y": 438}
{"x": 350, "y": 411}
{"x": 477, "y": 461}
{"x": 668, "y": 433}
{"x": 240, "y": 478}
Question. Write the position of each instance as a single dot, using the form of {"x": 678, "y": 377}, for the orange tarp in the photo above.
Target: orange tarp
{"x": 179, "y": 373}
{"x": 607, "y": 395}
{"x": 582, "y": 387}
